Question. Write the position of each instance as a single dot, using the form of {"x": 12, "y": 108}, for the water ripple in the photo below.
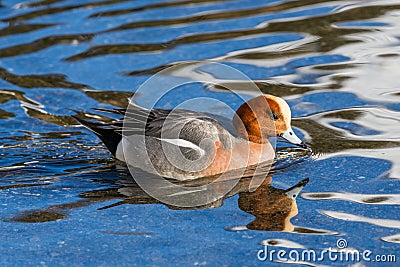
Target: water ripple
{"x": 336, "y": 63}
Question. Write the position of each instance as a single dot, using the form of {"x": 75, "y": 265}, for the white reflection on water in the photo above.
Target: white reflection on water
{"x": 392, "y": 238}
{"x": 357, "y": 218}
{"x": 373, "y": 199}
{"x": 383, "y": 122}
{"x": 377, "y": 58}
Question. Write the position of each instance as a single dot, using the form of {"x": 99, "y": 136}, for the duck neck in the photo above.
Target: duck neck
{"x": 255, "y": 139}
{"x": 249, "y": 131}
{"x": 247, "y": 125}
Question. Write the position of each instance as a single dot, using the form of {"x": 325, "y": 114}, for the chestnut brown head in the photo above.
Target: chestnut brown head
{"x": 263, "y": 117}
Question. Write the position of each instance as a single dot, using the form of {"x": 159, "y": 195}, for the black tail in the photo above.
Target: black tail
{"x": 108, "y": 133}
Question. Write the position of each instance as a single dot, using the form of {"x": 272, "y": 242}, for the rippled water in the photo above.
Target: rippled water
{"x": 64, "y": 201}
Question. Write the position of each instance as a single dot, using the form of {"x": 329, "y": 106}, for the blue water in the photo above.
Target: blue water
{"x": 336, "y": 64}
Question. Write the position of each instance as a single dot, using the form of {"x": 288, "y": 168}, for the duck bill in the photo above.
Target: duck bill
{"x": 290, "y": 136}
{"x": 294, "y": 191}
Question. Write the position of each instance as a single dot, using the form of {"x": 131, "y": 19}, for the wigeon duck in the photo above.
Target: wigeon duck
{"x": 183, "y": 144}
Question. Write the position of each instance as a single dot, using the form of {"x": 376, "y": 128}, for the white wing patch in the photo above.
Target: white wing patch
{"x": 183, "y": 143}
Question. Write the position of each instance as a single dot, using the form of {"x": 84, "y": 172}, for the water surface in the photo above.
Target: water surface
{"x": 64, "y": 201}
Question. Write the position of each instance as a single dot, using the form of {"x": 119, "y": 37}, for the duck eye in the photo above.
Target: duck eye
{"x": 273, "y": 115}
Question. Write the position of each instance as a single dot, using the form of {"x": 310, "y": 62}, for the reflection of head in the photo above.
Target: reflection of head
{"x": 272, "y": 207}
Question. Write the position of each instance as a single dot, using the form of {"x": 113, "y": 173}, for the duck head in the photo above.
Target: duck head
{"x": 263, "y": 117}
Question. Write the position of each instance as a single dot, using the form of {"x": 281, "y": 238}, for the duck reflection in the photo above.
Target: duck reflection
{"x": 272, "y": 207}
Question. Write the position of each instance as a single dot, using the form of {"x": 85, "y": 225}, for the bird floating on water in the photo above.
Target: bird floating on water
{"x": 184, "y": 145}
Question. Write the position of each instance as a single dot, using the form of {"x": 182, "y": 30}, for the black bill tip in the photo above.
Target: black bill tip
{"x": 303, "y": 145}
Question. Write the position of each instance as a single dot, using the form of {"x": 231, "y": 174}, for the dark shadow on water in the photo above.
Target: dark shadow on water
{"x": 39, "y": 81}
{"x": 322, "y": 26}
{"x": 23, "y": 28}
{"x": 54, "y": 10}
{"x": 115, "y": 98}
{"x": 120, "y": 12}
